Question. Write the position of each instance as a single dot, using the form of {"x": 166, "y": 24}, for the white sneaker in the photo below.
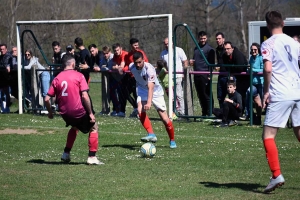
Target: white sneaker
{"x": 274, "y": 183}
{"x": 121, "y": 114}
{"x": 45, "y": 112}
{"x": 65, "y": 157}
{"x": 93, "y": 160}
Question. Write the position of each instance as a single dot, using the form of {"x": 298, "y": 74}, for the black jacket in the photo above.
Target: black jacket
{"x": 237, "y": 101}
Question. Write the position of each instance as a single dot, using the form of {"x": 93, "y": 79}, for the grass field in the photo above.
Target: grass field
{"x": 209, "y": 163}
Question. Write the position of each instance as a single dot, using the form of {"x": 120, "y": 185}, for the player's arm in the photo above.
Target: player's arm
{"x": 87, "y": 105}
{"x": 267, "y": 80}
{"x": 150, "y": 95}
{"x": 48, "y": 106}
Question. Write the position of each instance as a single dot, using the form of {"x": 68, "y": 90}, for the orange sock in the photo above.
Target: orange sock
{"x": 170, "y": 129}
{"x": 93, "y": 141}
{"x": 272, "y": 156}
{"x": 72, "y": 134}
{"x": 146, "y": 122}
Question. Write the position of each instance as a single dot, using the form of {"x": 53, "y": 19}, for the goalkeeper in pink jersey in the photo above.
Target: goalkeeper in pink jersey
{"x": 71, "y": 91}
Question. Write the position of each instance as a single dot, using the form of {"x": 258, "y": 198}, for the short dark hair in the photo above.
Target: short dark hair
{"x": 228, "y": 42}
{"x": 137, "y": 55}
{"x": 231, "y": 82}
{"x": 116, "y": 45}
{"x": 3, "y": 45}
{"x": 274, "y": 19}
{"x": 66, "y": 60}
{"x": 220, "y": 33}
{"x": 78, "y": 41}
{"x": 202, "y": 33}
{"x": 55, "y": 43}
{"x": 105, "y": 49}
{"x": 92, "y": 46}
{"x": 161, "y": 64}
{"x": 133, "y": 40}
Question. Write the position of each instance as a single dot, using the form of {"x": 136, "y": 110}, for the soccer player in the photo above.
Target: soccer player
{"x": 281, "y": 90}
{"x": 71, "y": 91}
{"x": 150, "y": 91}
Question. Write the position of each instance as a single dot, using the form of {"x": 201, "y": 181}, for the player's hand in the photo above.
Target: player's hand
{"x": 227, "y": 99}
{"x": 50, "y": 115}
{"x": 147, "y": 106}
{"x": 266, "y": 99}
{"x": 92, "y": 116}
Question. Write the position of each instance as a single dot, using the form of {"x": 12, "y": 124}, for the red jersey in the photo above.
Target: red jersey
{"x": 121, "y": 58}
{"x": 129, "y": 57}
{"x": 67, "y": 87}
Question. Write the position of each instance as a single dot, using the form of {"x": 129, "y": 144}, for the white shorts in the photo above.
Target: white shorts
{"x": 279, "y": 112}
{"x": 157, "y": 101}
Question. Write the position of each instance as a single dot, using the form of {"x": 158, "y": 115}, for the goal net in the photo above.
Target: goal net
{"x": 38, "y": 36}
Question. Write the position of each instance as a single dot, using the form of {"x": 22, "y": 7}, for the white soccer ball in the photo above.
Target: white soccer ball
{"x": 148, "y": 150}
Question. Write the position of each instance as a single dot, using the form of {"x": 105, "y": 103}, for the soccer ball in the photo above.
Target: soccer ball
{"x": 148, "y": 150}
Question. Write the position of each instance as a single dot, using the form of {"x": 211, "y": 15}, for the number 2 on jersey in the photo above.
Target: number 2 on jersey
{"x": 64, "y": 85}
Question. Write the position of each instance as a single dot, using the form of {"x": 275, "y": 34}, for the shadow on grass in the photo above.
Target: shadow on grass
{"x": 125, "y": 146}
{"x": 40, "y": 161}
{"x": 243, "y": 186}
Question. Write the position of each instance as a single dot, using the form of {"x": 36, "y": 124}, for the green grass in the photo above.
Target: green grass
{"x": 209, "y": 163}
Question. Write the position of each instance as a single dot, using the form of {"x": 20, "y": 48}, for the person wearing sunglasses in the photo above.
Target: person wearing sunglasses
{"x": 257, "y": 65}
{"x": 44, "y": 76}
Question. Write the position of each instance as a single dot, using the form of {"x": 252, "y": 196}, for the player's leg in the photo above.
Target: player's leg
{"x": 295, "y": 119}
{"x": 179, "y": 95}
{"x": 72, "y": 134}
{"x": 93, "y": 146}
{"x": 160, "y": 105}
{"x": 273, "y": 121}
{"x": 144, "y": 119}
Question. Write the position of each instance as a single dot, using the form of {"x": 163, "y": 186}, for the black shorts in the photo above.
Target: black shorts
{"x": 83, "y": 123}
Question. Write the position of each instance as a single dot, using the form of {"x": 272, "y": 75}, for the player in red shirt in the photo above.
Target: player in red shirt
{"x": 131, "y": 82}
{"x": 71, "y": 91}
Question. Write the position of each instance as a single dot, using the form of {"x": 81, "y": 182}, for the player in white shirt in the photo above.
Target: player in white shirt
{"x": 181, "y": 60}
{"x": 150, "y": 91}
{"x": 281, "y": 91}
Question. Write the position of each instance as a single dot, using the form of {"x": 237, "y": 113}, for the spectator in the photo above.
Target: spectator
{"x": 181, "y": 61}
{"x": 131, "y": 83}
{"x": 71, "y": 91}
{"x": 119, "y": 66}
{"x": 5, "y": 69}
{"x": 149, "y": 92}
{"x": 56, "y": 59}
{"x": 232, "y": 107}
{"x": 115, "y": 83}
{"x": 84, "y": 59}
{"x": 296, "y": 38}
{"x": 14, "y": 73}
{"x": 202, "y": 81}
{"x": 256, "y": 63}
{"x": 234, "y": 56}
{"x": 163, "y": 76}
{"x": 222, "y": 79}
{"x": 44, "y": 76}
{"x": 96, "y": 59}
{"x": 69, "y": 50}
{"x": 281, "y": 55}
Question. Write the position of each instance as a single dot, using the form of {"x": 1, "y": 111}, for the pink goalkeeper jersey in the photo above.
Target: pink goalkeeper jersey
{"x": 67, "y": 87}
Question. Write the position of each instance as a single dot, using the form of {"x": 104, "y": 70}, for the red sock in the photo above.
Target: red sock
{"x": 272, "y": 156}
{"x": 72, "y": 134}
{"x": 170, "y": 129}
{"x": 93, "y": 141}
{"x": 146, "y": 122}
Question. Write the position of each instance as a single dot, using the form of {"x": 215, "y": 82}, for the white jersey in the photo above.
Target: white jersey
{"x": 180, "y": 57}
{"x": 284, "y": 54}
{"x": 143, "y": 76}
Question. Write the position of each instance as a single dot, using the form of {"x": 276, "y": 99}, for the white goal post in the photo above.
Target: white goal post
{"x": 78, "y": 21}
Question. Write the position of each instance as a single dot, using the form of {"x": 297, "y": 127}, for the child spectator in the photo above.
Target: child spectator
{"x": 232, "y": 107}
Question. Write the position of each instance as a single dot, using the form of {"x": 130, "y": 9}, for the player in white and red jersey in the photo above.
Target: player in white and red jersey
{"x": 71, "y": 91}
{"x": 150, "y": 91}
{"x": 281, "y": 90}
